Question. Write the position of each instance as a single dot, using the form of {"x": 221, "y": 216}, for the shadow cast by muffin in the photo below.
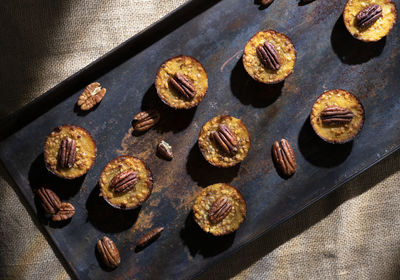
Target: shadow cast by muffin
{"x": 200, "y": 242}
{"x": 350, "y": 50}
{"x": 206, "y": 174}
{"x": 251, "y": 92}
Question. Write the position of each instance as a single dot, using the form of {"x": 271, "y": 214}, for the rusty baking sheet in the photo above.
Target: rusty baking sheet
{"x": 214, "y": 33}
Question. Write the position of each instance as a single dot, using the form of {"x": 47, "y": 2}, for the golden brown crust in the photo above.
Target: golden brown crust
{"x": 191, "y": 68}
{"x": 379, "y": 29}
{"x": 84, "y": 160}
{"x": 132, "y": 198}
{"x": 205, "y": 200}
{"x": 210, "y": 149}
{"x": 337, "y": 134}
{"x": 257, "y": 70}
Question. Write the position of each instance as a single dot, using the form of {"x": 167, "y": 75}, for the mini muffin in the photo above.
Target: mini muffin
{"x": 126, "y": 182}
{"x": 369, "y": 20}
{"x": 181, "y": 82}
{"x": 224, "y": 141}
{"x": 69, "y": 151}
{"x": 269, "y": 57}
{"x": 219, "y": 209}
{"x": 337, "y": 116}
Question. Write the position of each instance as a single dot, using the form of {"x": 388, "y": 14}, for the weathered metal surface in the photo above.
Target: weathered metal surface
{"x": 328, "y": 58}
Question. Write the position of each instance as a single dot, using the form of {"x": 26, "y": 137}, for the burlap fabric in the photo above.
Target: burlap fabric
{"x": 351, "y": 234}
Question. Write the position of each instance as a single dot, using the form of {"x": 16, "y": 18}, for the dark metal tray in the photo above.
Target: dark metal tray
{"x": 214, "y": 33}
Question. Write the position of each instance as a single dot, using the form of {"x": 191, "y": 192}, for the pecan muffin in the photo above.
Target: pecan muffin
{"x": 369, "y": 20}
{"x": 126, "y": 182}
{"x": 224, "y": 141}
{"x": 269, "y": 57}
{"x": 69, "y": 151}
{"x": 181, "y": 82}
{"x": 219, "y": 209}
{"x": 337, "y": 116}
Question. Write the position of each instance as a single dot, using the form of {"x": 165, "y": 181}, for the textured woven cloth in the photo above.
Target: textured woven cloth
{"x": 351, "y": 234}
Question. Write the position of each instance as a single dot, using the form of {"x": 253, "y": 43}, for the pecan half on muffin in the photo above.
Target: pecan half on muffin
{"x": 269, "y": 57}
{"x": 224, "y": 141}
{"x": 69, "y": 151}
{"x": 337, "y": 116}
{"x": 369, "y": 20}
{"x": 219, "y": 209}
{"x": 181, "y": 82}
{"x": 126, "y": 182}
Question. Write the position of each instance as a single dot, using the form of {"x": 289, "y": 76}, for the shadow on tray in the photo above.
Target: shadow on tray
{"x": 350, "y": 50}
{"x": 249, "y": 91}
{"x": 202, "y": 243}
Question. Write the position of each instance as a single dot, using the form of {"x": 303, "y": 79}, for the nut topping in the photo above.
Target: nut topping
{"x": 366, "y": 17}
{"x": 145, "y": 120}
{"x": 219, "y": 210}
{"x": 149, "y": 237}
{"x": 226, "y": 139}
{"x": 67, "y": 153}
{"x": 165, "y": 150}
{"x": 269, "y": 56}
{"x": 183, "y": 85}
{"x": 66, "y": 211}
{"x": 336, "y": 115}
{"x": 109, "y": 252}
{"x": 284, "y": 157}
{"x": 124, "y": 181}
{"x": 91, "y": 96}
{"x": 49, "y": 200}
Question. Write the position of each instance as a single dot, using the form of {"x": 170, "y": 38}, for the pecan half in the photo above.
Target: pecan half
{"x": 269, "y": 56}
{"x": 226, "y": 139}
{"x": 124, "y": 181}
{"x": 367, "y": 16}
{"x": 49, "y": 200}
{"x": 109, "y": 252}
{"x": 335, "y": 115}
{"x": 67, "y": 153}
{"x": 165, "y": 150}
{"x": 91, "y": 96}
{"x": 150, "y": 237}
{"x": 66, "y": 211}
{"x": 145, "y": 120}
{"x": 183, "y": 85}
{"x": 219, "y": 210}
{"x": 284, "y": 157}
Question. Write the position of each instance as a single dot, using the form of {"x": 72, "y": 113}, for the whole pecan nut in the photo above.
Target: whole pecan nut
{"x": 124, "y": 181}
{"x": 50, "y": 201}
{"x": 145, "y": 120}
{"x": 269, "y": 56}
{"x": 108, "y": 252}
{"x": 367, "y": 16}
{"x": 66, "y": 211}
{"x": 165, "y": 150}
{"x": 226, "y": 139}
{"x": 91, "y": 96}
{"x": 150, "y": 237}
{"x": 219, "y": 210}
{"x": 284, "y": 158}
{"x": 335, "y": 115}
{"x": 183, "y": 85}
{"x": 67, "y": 153}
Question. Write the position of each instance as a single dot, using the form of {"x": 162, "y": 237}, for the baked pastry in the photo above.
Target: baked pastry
{"x": 269, "y": 57}
{"x": 69, "y": 151}
{"x": 337, "y": 116}
{"x": 181, "y": 82}
{"x": 369, "y": 20}
{"x": 224, "y": 141}
{"x": 126, "y": 182}
{"x": 219, "y": 209}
